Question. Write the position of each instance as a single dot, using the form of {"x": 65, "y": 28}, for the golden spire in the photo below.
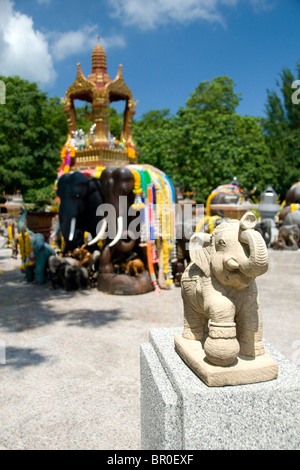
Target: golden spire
{"x": 99, "y": 75}
{"x": 99, "y": 58}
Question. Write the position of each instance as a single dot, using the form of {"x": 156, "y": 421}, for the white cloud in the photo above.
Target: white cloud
{"x": 24, "y": 51}
{"x": 27, "y": 52}
{"x": 83, "y": 40}
{"x": 149, "y": 14}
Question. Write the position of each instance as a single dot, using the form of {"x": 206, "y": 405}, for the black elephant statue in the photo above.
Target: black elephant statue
{"x": 118, "y": 210}
{"x": 80, "y": 196}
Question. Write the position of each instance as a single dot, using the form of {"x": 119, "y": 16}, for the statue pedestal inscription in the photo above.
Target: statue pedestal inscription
{"x": 245, "y": 369}
{"x": 180, "y": 412}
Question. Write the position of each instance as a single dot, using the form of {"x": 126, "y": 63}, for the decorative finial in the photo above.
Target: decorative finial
{"x": 98, "y": 39}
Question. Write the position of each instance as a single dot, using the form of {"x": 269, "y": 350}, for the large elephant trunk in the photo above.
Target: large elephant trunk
{"x": 257, "y": 260}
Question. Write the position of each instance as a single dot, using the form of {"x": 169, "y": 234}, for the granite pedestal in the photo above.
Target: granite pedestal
{"x": 180, "y": 412}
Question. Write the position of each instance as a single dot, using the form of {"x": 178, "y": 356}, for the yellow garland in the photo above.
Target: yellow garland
{"x": 137, "y": 182}
{"x": 25, "y": 250}
{"x": 201, "y": 222}
{"x": 131, "y": 153}
{"x": 164, "y": 212}
{"x": 137, "y": 190}
{"x": 208, "y": 202}
{"x": 62, "y": 247}
{"x": 98, "y": 172}
{"x": 10, "y": 236}
{"x": 67, "y": 147}
{"x": 294, "y": 207}
{"x": 211, "y": 222}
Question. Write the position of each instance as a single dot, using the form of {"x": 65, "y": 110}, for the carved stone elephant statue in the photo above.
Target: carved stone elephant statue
{"x": 289, "y": 232}
{"x": 221, "y": 305}
{"x": 288, "y": 238}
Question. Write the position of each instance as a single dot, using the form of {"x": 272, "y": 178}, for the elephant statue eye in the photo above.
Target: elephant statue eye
{"x": 221, "y": 242}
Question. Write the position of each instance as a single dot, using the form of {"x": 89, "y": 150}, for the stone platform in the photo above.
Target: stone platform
{"x": 244, "y": 370}
{"x": 179, "y": 411}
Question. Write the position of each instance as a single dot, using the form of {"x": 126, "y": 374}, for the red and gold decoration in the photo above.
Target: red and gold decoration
{"x": 98, "y": 148}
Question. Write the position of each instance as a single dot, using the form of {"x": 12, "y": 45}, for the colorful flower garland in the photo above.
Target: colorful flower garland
{"x": 155, "y": 198}
{"x": 26, "y": 250}
{"x": 67, "y": 154}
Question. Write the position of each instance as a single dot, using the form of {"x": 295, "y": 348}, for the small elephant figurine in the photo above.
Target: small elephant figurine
{"x": 221, "y": 305}
{"x": 135, "y": 267}
{"x": 288, "y": 237}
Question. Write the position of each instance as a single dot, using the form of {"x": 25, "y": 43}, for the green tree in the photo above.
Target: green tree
{"x": 33, "y": 129}
{"x": 155, "y": 135}
{"x": 207, "y": 143}
{"x": 282, "y": 130}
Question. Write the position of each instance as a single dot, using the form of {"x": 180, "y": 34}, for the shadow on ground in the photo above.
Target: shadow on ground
{"x": 19, "y": 358}
{"x": 25, "y": 306}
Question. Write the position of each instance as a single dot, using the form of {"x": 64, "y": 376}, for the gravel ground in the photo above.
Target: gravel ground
{"x": 69, "y": 377}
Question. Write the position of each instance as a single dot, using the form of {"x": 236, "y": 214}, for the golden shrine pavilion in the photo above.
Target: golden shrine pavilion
{"x": 100, "y": 149}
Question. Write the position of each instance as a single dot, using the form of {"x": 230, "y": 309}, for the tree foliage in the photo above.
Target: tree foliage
{"x": 282, "y": 130}
{"x": 33, "y": 129}
{"x": 207, "y": 143}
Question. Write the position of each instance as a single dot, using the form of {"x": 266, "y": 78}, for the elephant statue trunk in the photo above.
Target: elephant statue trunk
{"x": 257, "y": 264}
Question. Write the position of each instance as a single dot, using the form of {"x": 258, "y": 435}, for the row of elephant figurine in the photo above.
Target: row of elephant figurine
{"x": 115, "y": 210}
{"x": 282, "y": 233}
{"x": 80, "y": 199}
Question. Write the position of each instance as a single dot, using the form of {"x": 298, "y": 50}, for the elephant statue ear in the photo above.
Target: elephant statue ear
{"x": 199, "y": 248}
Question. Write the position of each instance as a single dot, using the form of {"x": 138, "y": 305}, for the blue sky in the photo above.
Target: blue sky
{"x": 166, "y": 46}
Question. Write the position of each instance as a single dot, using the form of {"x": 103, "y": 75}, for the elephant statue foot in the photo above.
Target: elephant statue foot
{"x": 124, "y": 284}
{"x": 221, "y": 346}
{"x": 222, "y": 336}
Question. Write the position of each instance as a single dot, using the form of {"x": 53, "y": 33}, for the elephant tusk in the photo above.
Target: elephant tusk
{"x": 101, "y": 233}
{"x": 72, "y": 229}
{"x": 119, "y": 232}
{"x": 232, "y": 264}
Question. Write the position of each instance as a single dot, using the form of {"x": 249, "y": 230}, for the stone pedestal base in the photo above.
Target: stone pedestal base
{"x": 245, "y": 370}
{"x": 180, "y": 412}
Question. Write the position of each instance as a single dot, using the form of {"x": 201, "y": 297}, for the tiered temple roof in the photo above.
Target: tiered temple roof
{"x": 100, "y": 91}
